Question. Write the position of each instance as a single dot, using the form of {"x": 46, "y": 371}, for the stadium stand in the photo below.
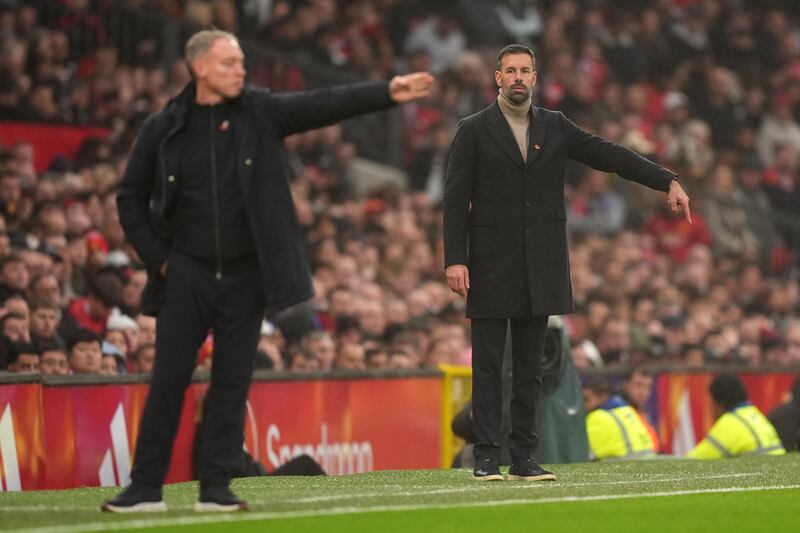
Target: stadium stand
{"x": 707, "y": 89}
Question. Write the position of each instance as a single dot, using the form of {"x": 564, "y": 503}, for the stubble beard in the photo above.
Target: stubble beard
{"x": 517, "y": 98}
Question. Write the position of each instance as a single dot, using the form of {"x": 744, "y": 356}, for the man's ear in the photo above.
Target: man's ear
{"x": 198, "y": 67}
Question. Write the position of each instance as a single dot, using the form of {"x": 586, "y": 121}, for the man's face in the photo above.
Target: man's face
{"x": 147, "y": 330}
{"x": 516, "y": 77}
{"x": 221, "y": 68}
{"x": 351, "y": 357}
{"x": 26, "y": 363}
{"x": 47, "y": 288}
{"x": 44, "y": 322}
{"x": 85, "y": 358}
{"x": 638, "y": 389}
{"x": 325, "y": 351}
{"x": 145, "y": 360}
{"x": 132, "y": 291}
{"x": 15, "y": 275}
{"x": 54, "y": 362}
{"x": 108, "y": 365}
{"x": 592, "y": 400}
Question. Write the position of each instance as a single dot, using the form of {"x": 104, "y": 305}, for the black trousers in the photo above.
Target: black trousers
{"x": 527, "y": 346}
{"x": 196, "y": 302}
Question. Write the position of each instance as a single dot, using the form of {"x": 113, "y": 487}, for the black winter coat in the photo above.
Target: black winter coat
{"x": 147, "y": 191}
{"x": 505, "y": 218}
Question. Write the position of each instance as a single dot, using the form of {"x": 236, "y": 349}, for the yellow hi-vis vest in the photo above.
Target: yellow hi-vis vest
{"x": 618, "y": 433}
{"x": 742, "y": 431}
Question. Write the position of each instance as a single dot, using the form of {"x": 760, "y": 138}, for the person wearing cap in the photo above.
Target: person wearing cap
{"x": 505, "y": 245}
{"x": 205, "y": 202}
{"x": 740, "y": 429}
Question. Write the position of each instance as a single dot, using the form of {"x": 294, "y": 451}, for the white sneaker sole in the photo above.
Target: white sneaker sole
{"x": 211, "y": 507}
{"x": 144, "y": 507}
{"x": 495, "y": 477}
{"x": 543, "y": 477}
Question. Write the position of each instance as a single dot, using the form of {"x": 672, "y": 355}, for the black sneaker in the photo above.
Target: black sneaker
{"x": 486, "y": 470}
{"x": 528, "y": 470}
{"x": 219, "y": 499}
{"x": 136, "y": 499}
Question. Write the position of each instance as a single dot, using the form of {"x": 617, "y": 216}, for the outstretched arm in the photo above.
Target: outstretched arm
{"x": 607, "y": 156}
{"x": 302, "y": 111}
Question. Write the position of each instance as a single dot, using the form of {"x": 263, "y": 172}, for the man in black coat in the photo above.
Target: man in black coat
{"x": 206, "y": 204}
{"x": 786, "y": 419}
{"x": 505, "y": 244}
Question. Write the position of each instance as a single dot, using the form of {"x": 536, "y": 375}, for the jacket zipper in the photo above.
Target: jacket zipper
{"x": 215, "y": 196}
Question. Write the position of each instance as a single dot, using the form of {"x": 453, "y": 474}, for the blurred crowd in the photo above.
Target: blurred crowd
{"x": 710, "y": 89}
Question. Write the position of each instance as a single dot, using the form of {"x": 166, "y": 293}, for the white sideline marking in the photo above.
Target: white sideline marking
{"x": 515, "y": 486}
{"x": 421, "y": 492}
{"x": 249, "y": 517}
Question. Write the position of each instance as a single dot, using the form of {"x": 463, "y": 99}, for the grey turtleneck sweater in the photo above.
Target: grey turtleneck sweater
{"x": 518, "y": 119}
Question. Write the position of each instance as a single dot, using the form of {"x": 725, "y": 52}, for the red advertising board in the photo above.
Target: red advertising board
{"x": 88, "y": 432}
{"x": 22, "y": 465}
{"x": 91, "y": 434}
{"x": 48, "y": 140}
{"x": 685, "y": 412}
{"x": 348, "y": 426}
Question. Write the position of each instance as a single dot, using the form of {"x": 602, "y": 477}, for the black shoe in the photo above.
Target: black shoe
{"x": 136, "y": 499}
{"x": 486, "y": 470}
{"x": 528, "y": 470}
{"x": 219, "y": 499}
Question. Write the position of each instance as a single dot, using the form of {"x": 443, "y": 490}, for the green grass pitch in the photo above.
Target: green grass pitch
{"x": 748, "y": 494}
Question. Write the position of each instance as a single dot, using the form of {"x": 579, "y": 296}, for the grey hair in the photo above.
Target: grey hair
{"x": 199, "y": 43}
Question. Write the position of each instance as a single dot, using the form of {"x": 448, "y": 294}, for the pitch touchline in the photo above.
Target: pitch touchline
{"x": 484, "y": 487}
{"x": 420, "y": 492}
{"x": 249, "y": 517}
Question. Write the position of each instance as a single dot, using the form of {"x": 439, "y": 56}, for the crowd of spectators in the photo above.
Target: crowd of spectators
{"x": 709, "y": 89}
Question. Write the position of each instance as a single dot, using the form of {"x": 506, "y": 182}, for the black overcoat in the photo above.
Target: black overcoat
{"x": 505, "y": 218}
{"x": 147, "y": 191}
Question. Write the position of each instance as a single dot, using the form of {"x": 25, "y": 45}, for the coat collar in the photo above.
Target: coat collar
{"x": 501, "y": 132}
{"x": 178, "y": 107}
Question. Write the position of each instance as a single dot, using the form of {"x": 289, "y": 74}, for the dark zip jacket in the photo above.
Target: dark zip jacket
{"x": 148, "y": 189}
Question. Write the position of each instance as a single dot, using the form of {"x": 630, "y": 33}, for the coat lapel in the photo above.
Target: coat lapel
{"x": 501, "y": 132}
{"x": 536, "y": 135}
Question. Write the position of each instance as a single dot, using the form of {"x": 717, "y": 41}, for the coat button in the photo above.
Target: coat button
{"x": 528, "y": 232}
{"x": 248, "y": 161}
{"x": 528, "y": 204}
{"x": 171, "y": 178}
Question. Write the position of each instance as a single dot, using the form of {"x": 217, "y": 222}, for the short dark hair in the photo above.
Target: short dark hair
{"x": 598, "y": 385}
{"x": 83, "y": 335}
{"x": 52, "y": 346}
{"x": 43, "y": 304}
{"x": 141, "y": 349}
{"x": 515, "y": 49}
{"x": 637, "y": 370}
{"x": 728, "y": 391}
{"x": 10, "y": 258}
{"x": 19, "y": 348}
